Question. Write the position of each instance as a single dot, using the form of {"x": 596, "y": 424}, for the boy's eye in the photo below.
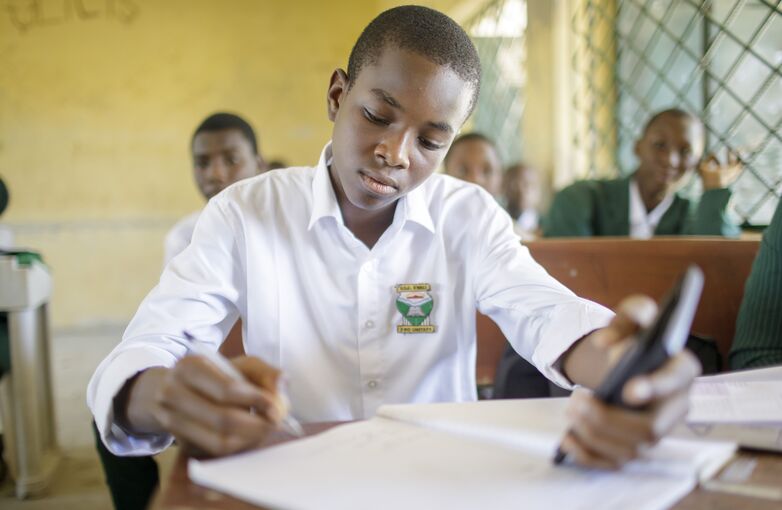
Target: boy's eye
{"x": 374, "y": 118}
{"x": 428, "y": 144}
{"x": 658, "y": 145}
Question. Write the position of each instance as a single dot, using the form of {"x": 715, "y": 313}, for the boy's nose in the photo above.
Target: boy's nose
{"x": 394, "y": 151}
{"x": 217, "y": 170}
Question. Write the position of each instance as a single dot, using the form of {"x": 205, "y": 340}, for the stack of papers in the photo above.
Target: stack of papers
{"x": 745, "y": 407}
{"x": 492, "y": 454}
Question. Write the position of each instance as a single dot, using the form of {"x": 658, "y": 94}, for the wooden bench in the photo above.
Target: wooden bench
{"x": 607, "y": 269}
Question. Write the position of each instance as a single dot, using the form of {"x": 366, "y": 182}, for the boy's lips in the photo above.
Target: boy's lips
{"x": 378, "y": 184}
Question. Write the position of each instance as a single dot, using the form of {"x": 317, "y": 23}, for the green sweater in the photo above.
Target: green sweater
{"x": 758, "y": 340}
{"x": 602, "y": 208}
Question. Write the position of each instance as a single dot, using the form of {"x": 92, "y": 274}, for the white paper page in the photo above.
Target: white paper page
{"x": 736, "y": 401}
{"x": 385, "y": 464}
{"x": 755, "y": 374}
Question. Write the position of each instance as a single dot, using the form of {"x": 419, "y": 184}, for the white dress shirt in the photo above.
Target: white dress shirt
{"x": 327, "y": 310}
{"x": 179, "y": 236}
{"x": 643, "y": 224}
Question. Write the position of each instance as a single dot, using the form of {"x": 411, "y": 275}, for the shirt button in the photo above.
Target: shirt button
{"x": 369, "y": 324}
{"x": 372, "y": 384}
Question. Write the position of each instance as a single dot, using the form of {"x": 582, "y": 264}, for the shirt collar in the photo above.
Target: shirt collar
{"x": 412, "y": 207}
{"x": 324, "y": 200}
{"x": 638, "y": 214}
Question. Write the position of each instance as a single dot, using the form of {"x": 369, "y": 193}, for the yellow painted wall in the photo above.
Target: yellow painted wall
{"x": 98, "y": 100}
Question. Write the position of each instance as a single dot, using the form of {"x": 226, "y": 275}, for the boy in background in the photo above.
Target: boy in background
{"x": 224, "y": 151}
{"x": 645, "y": 203}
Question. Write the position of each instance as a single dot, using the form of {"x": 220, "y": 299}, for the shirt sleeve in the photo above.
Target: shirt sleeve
{"x": 710, "y": 217}
{"x": 571, "y": 213}
{"x": 539, "y": 316}
{"x": 758, "y": 340}
{"x": 198, "y": 292}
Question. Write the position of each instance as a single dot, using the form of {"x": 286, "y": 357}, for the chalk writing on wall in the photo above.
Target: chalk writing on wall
{"x": 26, "y": 15}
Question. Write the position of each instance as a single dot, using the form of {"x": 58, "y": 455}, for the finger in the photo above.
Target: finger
{"x": 670, "y": 413}
{"x": 627, "y": 427}
{"x": 267, "y": 378}
{"x": 677, "y": 374}
{"x": 203, "y": 376}
{"x": 209, "y": 440}
{"x": 583, "y": 455}
{"x": 633, "y": 312}
{"x": 189, "y": 406}
{"x": 258, "y": 372}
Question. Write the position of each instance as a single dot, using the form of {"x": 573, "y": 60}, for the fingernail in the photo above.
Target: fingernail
{"x": 642, "y": 389}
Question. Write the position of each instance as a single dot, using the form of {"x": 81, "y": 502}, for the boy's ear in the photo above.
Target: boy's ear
{"x": 338, "y": 86}
{"x": 261, "y": 164}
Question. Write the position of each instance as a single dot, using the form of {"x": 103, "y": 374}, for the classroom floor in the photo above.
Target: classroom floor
{"x": 78, "y": 483}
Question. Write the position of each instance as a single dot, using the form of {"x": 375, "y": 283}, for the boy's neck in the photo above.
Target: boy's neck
{"x": 366, "y": 225}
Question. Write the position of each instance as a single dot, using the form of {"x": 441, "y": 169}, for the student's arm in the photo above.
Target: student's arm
{"x": 601, "y": 435}
{"x": 572, "y": 340}
{"x": 758, "y": 340}
{"x": 572, "y": 212}
{"x": 709, "y": 216}
{"x": 146, "y": 388}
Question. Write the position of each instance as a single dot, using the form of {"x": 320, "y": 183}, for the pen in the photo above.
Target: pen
{"x": 289, "y": 424}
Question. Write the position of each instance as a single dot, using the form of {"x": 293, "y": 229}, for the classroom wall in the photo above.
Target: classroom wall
{"x": 98, "y": 100}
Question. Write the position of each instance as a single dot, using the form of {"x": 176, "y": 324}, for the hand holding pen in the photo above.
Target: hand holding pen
{"x": 289, "y": 423}
{"x": 204, "y": 407}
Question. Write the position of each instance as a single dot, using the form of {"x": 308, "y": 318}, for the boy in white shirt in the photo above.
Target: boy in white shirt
{"x": 358, "y": 279}
{"x": 224, "y": 150}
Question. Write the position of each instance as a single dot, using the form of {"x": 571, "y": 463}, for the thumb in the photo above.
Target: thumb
{"x": 633, "y": 312}
{"x": 258, "y": 372}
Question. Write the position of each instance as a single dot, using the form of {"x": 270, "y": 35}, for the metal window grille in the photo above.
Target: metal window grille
{"x": 720, "y": 59}
{"x": 497, "y": 31}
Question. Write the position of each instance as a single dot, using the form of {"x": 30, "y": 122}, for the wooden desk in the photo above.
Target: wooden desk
{"x": 181, "y": 494}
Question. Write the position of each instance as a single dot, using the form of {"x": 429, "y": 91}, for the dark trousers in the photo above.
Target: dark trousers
{"x": 132, "y": 480}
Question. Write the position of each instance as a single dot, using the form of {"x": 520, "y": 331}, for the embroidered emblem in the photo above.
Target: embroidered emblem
{"x": 415, "y": 303}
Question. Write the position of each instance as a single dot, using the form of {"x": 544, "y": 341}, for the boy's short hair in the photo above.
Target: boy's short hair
{"x": 673, "y": 112}
{"x": 221, "y": 121}
{"x": 473, "y": 136}
{"x": 424, "y": 31}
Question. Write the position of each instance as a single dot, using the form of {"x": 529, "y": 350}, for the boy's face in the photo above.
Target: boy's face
{"x": 669, "y": 150}
{"x": 476, "y": 161}
{"x": 393, "y": 127}
{"x": 522, "y": 187}
{"x": 221, "y": 158}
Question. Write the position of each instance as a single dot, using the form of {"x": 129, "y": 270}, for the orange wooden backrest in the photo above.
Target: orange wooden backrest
{"x": 607, "y": 269}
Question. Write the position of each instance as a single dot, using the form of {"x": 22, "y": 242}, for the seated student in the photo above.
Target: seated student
{"x": 224, "y": 150}
{"x": 474, "y": 158}
{"x": 758, "y": 340}
{"x": 521, "y": 190}
{"x": 645, "y": 203}
{"x": 6, "y": 243}
{"x": 358, "y": 279}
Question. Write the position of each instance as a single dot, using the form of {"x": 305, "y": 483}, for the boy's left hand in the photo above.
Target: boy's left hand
{"x": 605, "y": 436}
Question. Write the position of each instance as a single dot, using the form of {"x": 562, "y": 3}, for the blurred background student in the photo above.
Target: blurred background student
{"x": 224, "y": 151}
{"x": 646, "y": 203}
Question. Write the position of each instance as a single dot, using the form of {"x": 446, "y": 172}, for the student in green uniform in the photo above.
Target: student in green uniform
{"x": 758, "y": 340}
{"x": 645, "y": 203}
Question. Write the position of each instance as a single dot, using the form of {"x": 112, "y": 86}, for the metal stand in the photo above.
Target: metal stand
{"x": 26, "y": 392}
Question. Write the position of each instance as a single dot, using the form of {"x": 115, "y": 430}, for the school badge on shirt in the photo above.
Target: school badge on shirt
{"x": 415, "y": 303}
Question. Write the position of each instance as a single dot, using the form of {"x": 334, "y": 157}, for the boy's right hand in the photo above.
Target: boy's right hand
{"x": 204, "y": 408}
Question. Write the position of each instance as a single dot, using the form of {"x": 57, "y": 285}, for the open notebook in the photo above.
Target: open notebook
{"x": 492, "y": 454}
